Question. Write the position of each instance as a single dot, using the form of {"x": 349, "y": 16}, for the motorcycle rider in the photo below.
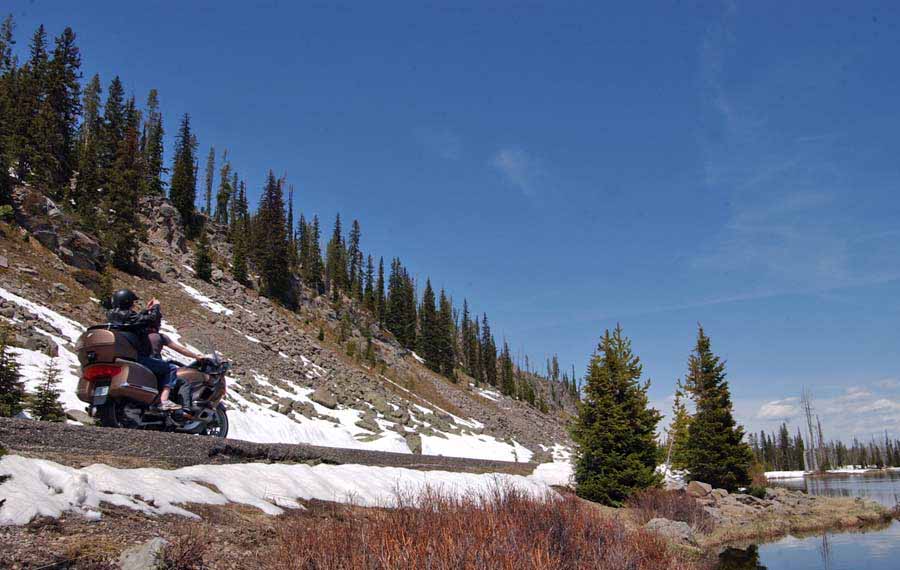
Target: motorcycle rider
{"x": 124, "y": 317}
{"x": 158, "y": 341}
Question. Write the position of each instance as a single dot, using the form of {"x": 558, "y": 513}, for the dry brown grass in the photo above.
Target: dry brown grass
{"x": 186, "y": 551}
{"x": 672, "y": 505}
{"x": 505, "y": 530}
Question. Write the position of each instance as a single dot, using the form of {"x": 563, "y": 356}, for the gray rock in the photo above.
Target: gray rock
{"x": 8, "y": 312}
{"x": 144, "y": 556}
{"x": 414, "y": 443}
{"x": 368, "y": 422}
{"x": 218, "y": 275}
{"x": 675, "y": 531}
{"x": 325, "y": 398}
{"x": 697, "y": 489}
{"x": 80, "y": 416}
{"x": 60, "y": 287}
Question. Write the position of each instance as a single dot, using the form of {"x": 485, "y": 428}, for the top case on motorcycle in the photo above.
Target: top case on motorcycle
{"x": 103, "y": 344}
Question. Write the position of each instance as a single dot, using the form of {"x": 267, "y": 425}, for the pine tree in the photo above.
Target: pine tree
{"x": 202, "y": 258}
{"x": 210, "y": 175}
{"x": 507, "y": 377}
{"x": 716, "y": 453}
{"x": 488, "y": 352}
{"x": 379, "y": 292}
{"x": 123, "y": 229}
{"x": 113, "y": 132}
{"x": 12, "y": 391}
{"x": 400, "y": 306}
{"x": 63, "y": 103}
{"x": 224, "y": 192}
{"x": 428, "y": 330}
{"x": 183, "y": 188}
{"x": 678, "y": 429}
{"x": 614, "y": 434}
{"x": 446, "y": 333}
{"x": 313, "y": 267}
{"x": 8, "y": 111}
{"x": 354, "y": 261}
{"x": 152, "y": 147}
{"x": 271, "y": 239}
{"x": 44, "y": 404}
{"x": 90, "y": 140}
{"x": 369, "y": 290}
{"x": 336, "y": 279}
{"x": 239, "y": 258}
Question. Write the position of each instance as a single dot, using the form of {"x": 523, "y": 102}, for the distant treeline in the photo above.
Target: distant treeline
{"x": 101, "y": 159}
{"x": 782, "y": 451}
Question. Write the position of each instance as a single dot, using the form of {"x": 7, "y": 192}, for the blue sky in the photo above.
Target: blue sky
{"x": 567, "y": 166}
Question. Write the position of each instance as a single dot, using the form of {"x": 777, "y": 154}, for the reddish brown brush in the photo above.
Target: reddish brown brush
{"x": 505, "y": 530}
{"x": 672, "y": 505}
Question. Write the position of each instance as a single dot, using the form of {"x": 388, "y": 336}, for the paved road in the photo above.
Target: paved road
{"x": 80, "y": 445}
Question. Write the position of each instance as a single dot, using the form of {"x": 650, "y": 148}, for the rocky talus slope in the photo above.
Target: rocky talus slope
{"x": 287, "y": 386}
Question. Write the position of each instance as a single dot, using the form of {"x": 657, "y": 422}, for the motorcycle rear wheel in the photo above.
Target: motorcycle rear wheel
{"x": 109, "y": 415}
{"x": 219, "y": 426}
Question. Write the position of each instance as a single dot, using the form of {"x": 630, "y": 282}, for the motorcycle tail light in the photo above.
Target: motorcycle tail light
{"x": 101, "y": 371}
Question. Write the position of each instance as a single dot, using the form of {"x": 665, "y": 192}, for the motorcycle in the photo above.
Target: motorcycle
{"x": 123, "y": 393}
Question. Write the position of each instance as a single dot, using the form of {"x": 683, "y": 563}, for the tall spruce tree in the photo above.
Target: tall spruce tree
{"x": 271, "y": 239}
{"x": 429, "y": 346}
{"x": 369, "y": 291}
{"x": 90, "y": 140}
{"x": 224, "y": 192}
{"x": 507, "y": 377}
{"x": 123, "y": 229}
{"x": 614, "y": 434}
{"x": 203, "y": 258}
{"x": 183, "y": 187}
{"x": 152, "y": 147}
{"x": 44, "y": 404}
{"x": 379, "y": 292}
{"x": 336, "y": 262}
{"x": 678, "y": 429}
{"x": 354, "y": 262}
{"x": 716, "y": 453}
{"x": 7, "y": 109}
{"x": 63, "y": 103}
{"x": 210, "y": 178}
{"x": 488, "y": 352}
{"x": 446, "y": 333}
{"x": 12, "y": 390}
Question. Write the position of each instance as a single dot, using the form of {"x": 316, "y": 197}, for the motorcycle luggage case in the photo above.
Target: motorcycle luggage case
{"x": 133, "y": 381}
{"x": 99, "y": 345}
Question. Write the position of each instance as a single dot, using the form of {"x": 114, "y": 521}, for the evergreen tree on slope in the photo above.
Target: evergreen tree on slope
{"x": 12, "y": 391}
{"x": 614, "y": 434}
{"x": 716, "y": 453}
{"x": 44, "y": 404}
{"x": 183, "y": 188}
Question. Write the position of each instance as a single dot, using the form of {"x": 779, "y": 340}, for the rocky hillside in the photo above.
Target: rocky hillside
{"x": 296, "y": 378}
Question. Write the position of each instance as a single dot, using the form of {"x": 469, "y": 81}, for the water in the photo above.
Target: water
{"x": 871, "y": 549}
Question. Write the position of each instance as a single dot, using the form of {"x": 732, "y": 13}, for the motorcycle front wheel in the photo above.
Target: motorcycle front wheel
{"x": 219, "y": 426}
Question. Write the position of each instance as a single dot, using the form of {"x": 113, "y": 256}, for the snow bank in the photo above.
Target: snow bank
{"x": 43, "y": 488}
{"x": 785, "y": 474}
{"x": 210, "y": 304}
{"x": 475, "y": 447}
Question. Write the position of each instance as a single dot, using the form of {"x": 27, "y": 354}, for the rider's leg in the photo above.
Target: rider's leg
{"x": 165, "y": 374}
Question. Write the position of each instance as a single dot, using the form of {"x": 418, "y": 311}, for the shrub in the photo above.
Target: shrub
{"x": 185, "y": 551}
{"x": 503, "y": 529}
{"x": 672, "y": 505}
{"x": 757, "y": 491}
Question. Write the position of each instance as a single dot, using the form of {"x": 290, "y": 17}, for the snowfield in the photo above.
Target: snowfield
{"x": 252, "y": 421}
{"x": 37, "y": 487}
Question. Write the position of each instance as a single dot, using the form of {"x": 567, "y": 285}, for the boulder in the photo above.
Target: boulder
{"x": 367, "y": 422}
{"x": 675, "y": 531}
{"x": 414, "y": 443}
{"x": 324, "y": 398}
{"x": 697, "y": 489}
{"x": 144, "y": 556}
{"x": 80, "y": 416}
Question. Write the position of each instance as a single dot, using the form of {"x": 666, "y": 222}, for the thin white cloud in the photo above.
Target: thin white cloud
{"x": 522, "y": 170}
{"x": 779, "y": 409}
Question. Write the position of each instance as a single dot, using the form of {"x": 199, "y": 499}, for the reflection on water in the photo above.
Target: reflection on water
{"x": 870, "y": 549}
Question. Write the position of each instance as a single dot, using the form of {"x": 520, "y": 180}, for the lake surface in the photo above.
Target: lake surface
{"x": 873, "y": 549}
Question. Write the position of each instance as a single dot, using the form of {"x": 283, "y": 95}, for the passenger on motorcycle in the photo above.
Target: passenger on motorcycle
{"x": 125, "y": 318}
{"x": 158, "y": 341}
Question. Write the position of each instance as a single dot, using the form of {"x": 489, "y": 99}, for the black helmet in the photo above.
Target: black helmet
{"x": 123, "y": 299}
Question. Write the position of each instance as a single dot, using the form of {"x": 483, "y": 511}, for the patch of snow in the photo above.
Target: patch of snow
{"x": 557, "y": 473}
{"x": 252, "y": 338}
{"x": 785, "y": 474}
{"x": 417, "y": 357}
{"x": 37, "y": 487}
{"x": 210, "y": 304}
{"x": 283, "y": 355}
{"x": 189, "y": 268}
{"x": 474, "y": 447}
